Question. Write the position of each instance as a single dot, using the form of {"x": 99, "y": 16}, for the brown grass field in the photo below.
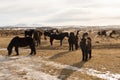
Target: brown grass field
{"x": 105, "y": 57}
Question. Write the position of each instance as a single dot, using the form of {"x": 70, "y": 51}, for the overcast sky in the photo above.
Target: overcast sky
{"x": 60, "y": 12}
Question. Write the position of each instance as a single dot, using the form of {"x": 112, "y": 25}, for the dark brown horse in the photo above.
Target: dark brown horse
{"x": 73, "y": 41}
{"x": 86, "y": 47}
{"x": 47, "y": 33}
{"x": 59, "y": 36}
{"x": 35, "y": 34}
{"x": 37, "y": 37}
{"x": 102, "y": 33}
{"x": 21, "y": 42}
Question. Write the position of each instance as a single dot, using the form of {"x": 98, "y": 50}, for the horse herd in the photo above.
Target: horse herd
{"x": 108, "y": 33}
{"x": 33, "y": 37}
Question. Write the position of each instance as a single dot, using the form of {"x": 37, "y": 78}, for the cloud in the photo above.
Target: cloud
{"x": 54, "y": 12}
{"x": 69, "y": 15}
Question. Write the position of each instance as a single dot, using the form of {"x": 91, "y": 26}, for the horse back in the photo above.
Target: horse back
{"x": 59, "y": 36}
{"x": 22, "y": 42}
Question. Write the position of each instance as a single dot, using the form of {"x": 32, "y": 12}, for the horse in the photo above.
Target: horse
{"x": 21, "y": 42}
{"x": 76, "y": 40}
{"x": 29, "y": 33}
{"x": 59, "y": 36}
{"x": 73, "y": 40}
{"x": 115, "y": 32}
{"x": 36, "y": 35}
{"x": 49, "y": 32}
{"x": 86, "y": 47}
{"x": 102, "y": 33}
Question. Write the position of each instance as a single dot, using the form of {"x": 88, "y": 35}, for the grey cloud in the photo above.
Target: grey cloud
{"x": 71, "y": 15}
{"x": 58, "y": 11}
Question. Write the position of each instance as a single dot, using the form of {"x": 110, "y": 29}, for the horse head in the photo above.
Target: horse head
{"x": 66, "y": 34}
{"x": 71, "y": 34}
{"x": 28, "y": 33}
{"x": 9, "y": 48}
{"x": 47, "y": 33}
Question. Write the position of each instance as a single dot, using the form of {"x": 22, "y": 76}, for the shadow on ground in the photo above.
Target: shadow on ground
{"x": 59, "y": 55}
{"x": 66, "y": 72}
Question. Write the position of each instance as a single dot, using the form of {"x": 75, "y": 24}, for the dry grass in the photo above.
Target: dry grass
{"x": 105, "y": 56}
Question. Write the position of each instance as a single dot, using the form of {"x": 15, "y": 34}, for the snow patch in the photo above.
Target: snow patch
{"x": 3, "y": 58}
{"x": 104, "y": 75}
{"x": 26, "y": 67}
{"x": 21, "y": 68}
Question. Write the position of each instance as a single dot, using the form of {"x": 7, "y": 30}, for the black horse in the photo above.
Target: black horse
{"x": 86, "y": 47}
{"x": 49, "y": 32}
{"x": 76, "y": 40}
{"x": 59, "y": 36}
{"x": 29, "y": 33}
{"x": 102, "y": 33}
{"x": 73, "y": 41}
{"x": 21, "y": 42}
{"x": 36, "y": 35}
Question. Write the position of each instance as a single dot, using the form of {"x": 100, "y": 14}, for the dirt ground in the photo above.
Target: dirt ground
{"x": 105, "y": 58}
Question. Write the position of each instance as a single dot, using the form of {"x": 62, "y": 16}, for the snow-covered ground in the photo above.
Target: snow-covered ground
{"x": 21, "y": 68}
{"x": 26, "y": 68}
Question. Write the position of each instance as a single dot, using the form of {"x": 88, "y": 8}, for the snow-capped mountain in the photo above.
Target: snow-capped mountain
{"x": 27, "y": 25}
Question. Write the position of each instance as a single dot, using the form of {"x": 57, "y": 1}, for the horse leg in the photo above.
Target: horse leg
{"x": 39, "y": 41}
{"x": 86, "y": 55}
{"x": 69, "y": 47}
{"x": 32, "y": 47}
{"x": 90, "y": 52}
{"x": 51, "y": 41}
{"x": 33, "y": 50}
{"x": 16, "y": 50}
{"x": 35, "y": 41}
{"x": 45, "y": 38}
{"x": 72, "y": 47}
{"x": 83, "y": 55}
{"x": 76, "y": 46}
{"x": 60, "y": 42}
